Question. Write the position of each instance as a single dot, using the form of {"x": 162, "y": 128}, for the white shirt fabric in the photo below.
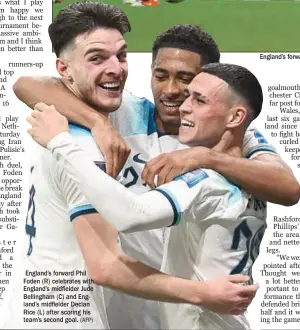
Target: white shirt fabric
{"x": 51, "y": 246}
{"x": 212, "y": 237}
{"x": 202, "y": 203}
{"x": 135, "y": 122}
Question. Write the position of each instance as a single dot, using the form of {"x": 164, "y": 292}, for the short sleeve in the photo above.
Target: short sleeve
{"x": 256, "y": 144}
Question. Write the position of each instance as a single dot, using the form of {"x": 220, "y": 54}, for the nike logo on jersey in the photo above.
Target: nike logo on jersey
{"x": 137, "y": 159}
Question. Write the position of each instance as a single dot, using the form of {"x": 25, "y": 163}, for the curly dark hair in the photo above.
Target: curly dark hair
{"x": 188, "y": 37}
{"x": 82, "y": 17}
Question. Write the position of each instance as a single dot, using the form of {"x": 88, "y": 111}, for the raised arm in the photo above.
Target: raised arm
{"x": 126, "y": 211}
{"x": 51, "y": 90}
{"x": 266, "y": 176}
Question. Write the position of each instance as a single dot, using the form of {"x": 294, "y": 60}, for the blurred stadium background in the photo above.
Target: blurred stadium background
{"x": 236, "y": 25}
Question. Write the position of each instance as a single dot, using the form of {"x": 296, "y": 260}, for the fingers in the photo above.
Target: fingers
{"x": 173, "y": 174}
{"x": 241, "y": 305}
{"x": 109, "y": 160}
{"x": 31, "y": 120}
{"x": 149, "y": 176}
{"x": 112, "y": 145}
{"x": 144, "y": 175}
{"x": 41, "y": 107}
{"x": 239, "y": 279}
{"x": 249, "y": 290}
{"x": 165, "y": 166}
{"x": 152, "y": 168}
{"x": 123, "y": 155}
{"x": 238, "y": 311}
{"x": 115, "y": 157}
{"x": 161, "y": 176}
{"x": 29, "y": 131}
{"x": 245, "y": 304}
{"x": 116, "y": 161}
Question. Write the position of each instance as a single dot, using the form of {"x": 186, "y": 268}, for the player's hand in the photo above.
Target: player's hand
{"x": 46, "y": 122}
{"x": 168, "y": 166}
{"x": 114, "y": 148}
{"x": 228, "y": 294}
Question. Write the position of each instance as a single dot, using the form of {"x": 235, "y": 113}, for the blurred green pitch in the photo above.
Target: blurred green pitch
{"x": 236, "y": 25}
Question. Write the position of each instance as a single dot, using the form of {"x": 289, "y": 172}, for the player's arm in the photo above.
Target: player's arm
{"x": 52, "y": 91}
{"x": 106, "y": 264}
{"x": 126, "y": 211}
{"x": 109, "y": 267}
{"x": 118, "y": 271}
{"x": 266, "y": 176}
{"x": 133, "y": 212}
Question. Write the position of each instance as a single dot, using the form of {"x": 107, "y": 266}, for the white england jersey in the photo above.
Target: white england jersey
{"x": 219, "y": 227}
{"x": 53, "y": 290}
{"x": 132, "y": 121}
{"x": 217, "y": 231}
{"x": 135, "y": 121}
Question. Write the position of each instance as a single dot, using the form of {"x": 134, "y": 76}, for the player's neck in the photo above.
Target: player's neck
{"x": 164, "y": 128}
{"x": 231, "y": 143}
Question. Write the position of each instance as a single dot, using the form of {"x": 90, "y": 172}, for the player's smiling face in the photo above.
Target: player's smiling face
{"x": 172, "y": 70}
{"x": 98, "y": 68}
{"x": 205, "y": 113}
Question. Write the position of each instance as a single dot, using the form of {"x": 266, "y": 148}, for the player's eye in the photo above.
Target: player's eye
{"x": 96, "y": 59}
{"x": 122, "y": 57}
{"x": 200, "y": 101}
{"x": 186, "y": 80}
{"x": 160, "y": 77}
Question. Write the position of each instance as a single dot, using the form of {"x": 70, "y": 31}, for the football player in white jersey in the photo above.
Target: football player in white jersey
{"x": 178, "y": 54}
{"x": 51, "y": 247}
{"x": 214, "y": 220}
{"x": 87, "y": 38}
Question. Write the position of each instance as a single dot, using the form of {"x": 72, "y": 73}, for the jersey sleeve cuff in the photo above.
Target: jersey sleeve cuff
{"x": 174, "y": 204}
{"x": 259, "y": 150}
{"x": 81, "y": 210}
{"x": 58, "y": 140}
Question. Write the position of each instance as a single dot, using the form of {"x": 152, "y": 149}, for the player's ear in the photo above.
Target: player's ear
{"x": 237, "y": 115}
{"x": 63, "y": 69}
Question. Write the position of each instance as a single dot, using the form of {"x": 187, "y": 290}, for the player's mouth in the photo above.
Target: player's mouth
{"x": 171, "y": 106}
{"x": 187, "y": 123}
{"x": 111, "y": 87}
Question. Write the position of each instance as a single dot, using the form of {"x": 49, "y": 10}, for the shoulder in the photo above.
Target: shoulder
{"x": 255, "y": 143}
{"x": 203, "y": 195}
{"x": 135, "y": 116}
{"x": 205, "y": 186}
{"x": 210, "y": 184}
{"x": 82, "y": 136}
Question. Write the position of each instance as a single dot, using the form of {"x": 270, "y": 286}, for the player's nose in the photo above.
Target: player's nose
{"x": 113, "y": 66}
{"x": 186, "y": 106}
{"x": 171, "y": 88}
